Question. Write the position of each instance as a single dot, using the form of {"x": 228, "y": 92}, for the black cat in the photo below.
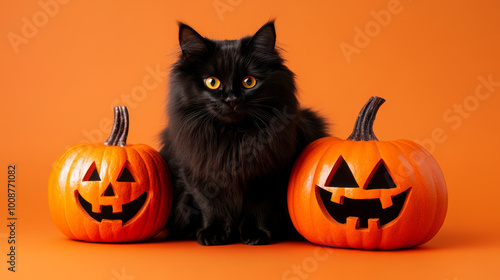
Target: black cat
{"x": 234, "y": 131}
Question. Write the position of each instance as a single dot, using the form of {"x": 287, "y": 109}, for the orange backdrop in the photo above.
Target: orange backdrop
{"x": 65, "y": 64}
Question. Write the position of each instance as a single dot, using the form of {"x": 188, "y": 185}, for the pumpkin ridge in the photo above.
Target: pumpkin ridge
{"x": 292, "y": 212}
{"x": 72, "y": 153}
{"x": 159, "y": 162}
{"x": 404, "y": 145}
{"x": 137, "y": 156}
{"x": 145, "y": 155}
{"x": 66, "y": 189}
{"x": 331, "y": 146}
{"x": 295, "y": 176}
{"x": 437, "y": 193}
{"x": 102, "y": 151}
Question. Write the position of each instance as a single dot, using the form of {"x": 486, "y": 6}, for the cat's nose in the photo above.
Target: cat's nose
{"x": 232, "y": 101}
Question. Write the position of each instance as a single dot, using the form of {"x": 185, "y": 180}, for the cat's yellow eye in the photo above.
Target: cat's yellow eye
{"x": 249, "y": 82}
{"x": 212, "y": 83}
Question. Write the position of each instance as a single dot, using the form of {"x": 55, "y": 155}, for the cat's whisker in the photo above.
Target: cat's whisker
{"x": 265, "y": 122}
{"x": 258, "y": 126}
{"x": 262, "y": 98}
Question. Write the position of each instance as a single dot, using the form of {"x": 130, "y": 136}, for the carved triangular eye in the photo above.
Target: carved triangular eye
{"x": 92, "y": 174}
{"x": 381, "y": 179}
{"x": 109, "y": 191}
{"x": 342, "y": 176}
{"x": 126, "y": 176}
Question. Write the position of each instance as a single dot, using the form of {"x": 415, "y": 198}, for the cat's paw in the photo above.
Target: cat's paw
{"x": 254, "y": 236}
{"x": 212, "y": 236}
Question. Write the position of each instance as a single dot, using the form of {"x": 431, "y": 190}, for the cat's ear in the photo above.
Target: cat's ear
{"x": 265, "y": 38}
{"x": 190, "y": 41}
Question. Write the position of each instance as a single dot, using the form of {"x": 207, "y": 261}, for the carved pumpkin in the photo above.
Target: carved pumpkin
{"x": 367, "y": 194}
{"x": 111, "y": 192}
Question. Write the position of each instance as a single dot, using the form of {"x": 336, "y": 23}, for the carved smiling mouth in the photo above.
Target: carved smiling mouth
{"x": 129, "y": 210}
{"x": 361, "y": 209}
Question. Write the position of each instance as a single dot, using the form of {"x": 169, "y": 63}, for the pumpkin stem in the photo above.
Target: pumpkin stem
{"x": 363, "y": 129}
{"x": 119, "y": 132}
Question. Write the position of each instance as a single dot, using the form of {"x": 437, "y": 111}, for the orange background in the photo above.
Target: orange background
{"x": 59, "y": 85}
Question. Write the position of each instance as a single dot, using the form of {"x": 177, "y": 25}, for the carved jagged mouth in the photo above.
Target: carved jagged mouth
{"x": 129, "y": 210}
{"x": 362, "y": 209}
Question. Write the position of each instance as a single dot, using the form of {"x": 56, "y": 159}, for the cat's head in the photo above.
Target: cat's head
{"x": 232, "y": 81}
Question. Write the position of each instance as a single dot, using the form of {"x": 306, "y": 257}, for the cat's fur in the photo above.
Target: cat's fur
{"x": 230, "y": 165}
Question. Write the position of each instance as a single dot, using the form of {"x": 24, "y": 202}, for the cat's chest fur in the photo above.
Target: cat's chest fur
{"x": 234, "y": 155}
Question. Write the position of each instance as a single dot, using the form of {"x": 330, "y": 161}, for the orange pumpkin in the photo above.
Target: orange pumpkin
{"x": 111, "y": 192}
{"x": 367, "y": 194}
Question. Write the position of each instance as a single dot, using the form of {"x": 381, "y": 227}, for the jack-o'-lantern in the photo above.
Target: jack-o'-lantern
{"x": 367, "y": 194}
{"x": 111, "y": 192}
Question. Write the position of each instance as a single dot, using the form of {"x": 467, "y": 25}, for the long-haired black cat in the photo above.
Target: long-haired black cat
{"x": 234, "y": 131}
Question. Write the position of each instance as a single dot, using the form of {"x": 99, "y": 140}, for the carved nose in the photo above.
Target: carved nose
{"x": 232, "y": 101}
{"x": 109, "y": 191}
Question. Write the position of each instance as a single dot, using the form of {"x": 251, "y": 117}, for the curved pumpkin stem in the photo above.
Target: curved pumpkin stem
{"x": 119, "y": 132}
{"x": 363, "y": 129}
